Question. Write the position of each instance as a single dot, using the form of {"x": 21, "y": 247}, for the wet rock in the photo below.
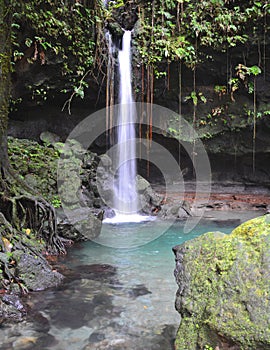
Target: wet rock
{"x": 169, "y": 211}
{"x": 227, "y": 222}
{"x": 25, "y": 342}
{"x": 80, "y": 225}
{"x": 15, "y": 301}
{"x": 175, "y": 211}
{"x": 97, "y": 269}
{"x": 115, "y": 30}
{"x": 139, "y": 290}
{"x": 99, "y": 272}
{"x": 96, "y": 337}
{"x": 44, "y": 341}
{"x": 74, "y": 316}
{"x": 90, "y": 161}
{"x": 9, "y": 312}
{"x": 105, "y": 161}
{"x": 141, "y": 184}
{"x": 86, "y": 197}
{"x": 109, "y": 213}
{"x": 168, "y": 337}
{"x": 89, "y": 227}
{"x": 36, "y": 272}
{"x": 39, "y": 323}
{"x": 115, "y": 344}
{"x": 182, "y": 214}
{"x": 149, "y": 200}
{"x": 104, "y": 187}
{"x": 97, "y": 203}
{"x": 224, "y": 283}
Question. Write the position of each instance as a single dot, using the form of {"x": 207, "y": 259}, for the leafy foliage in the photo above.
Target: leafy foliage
{"x": 57, "y": 31}
{"x": 183, "y": 29}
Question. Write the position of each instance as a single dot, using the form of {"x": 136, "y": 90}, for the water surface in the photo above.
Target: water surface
{"x": 112, "y": 298}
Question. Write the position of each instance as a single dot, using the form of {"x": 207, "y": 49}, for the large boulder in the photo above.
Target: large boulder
{"x": 224, "y": 289}
{"x": 149, "y": 201}
{"x": 35, "y": 272}
{"x": 80, "y": 225}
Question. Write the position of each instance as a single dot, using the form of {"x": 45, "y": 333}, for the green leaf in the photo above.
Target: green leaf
{"x": 79, "y": 91}
{"x": 254, "y": 70}
{"x": 28, "y": 42}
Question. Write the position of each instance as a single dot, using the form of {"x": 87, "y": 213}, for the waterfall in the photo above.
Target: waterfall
{"x": 126, "y": 201}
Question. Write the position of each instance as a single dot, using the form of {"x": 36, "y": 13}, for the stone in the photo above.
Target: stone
{"x": 31, "y": 180}
{"x": 105, "y": 161}
{"x": 155, "y": 199}
{"x": 141, "y": 184}
{"x": 14, "y": 300}
{"x": 89, "y": 227}
{"x": 169, "y": 211}
{"x": 49, "y": 138}
{"x": 25, "y": 342}
{"x": 8, "y": 311}
{"x": 59, "y": 146}
{"x": 96, "y": 337}
{"x": 115, "y": 29}
{"x": 138, "y": 290}
{"x": 223, "y": 289}
{"x": 35, "y": 272}
{"x": 81, "y": 224}
{"x": 40, "y": 323}
{"x": 182, "y": 214}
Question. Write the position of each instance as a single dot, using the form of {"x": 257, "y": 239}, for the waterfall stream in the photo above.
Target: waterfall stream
{"x": 126, "y": 199}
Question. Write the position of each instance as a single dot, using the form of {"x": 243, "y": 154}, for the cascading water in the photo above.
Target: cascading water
{"x": 126, "y": 199}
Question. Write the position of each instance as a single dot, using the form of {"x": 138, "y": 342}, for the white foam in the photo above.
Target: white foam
{"x": 128, "y": 218}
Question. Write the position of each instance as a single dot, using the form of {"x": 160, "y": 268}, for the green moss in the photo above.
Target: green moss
{"x": 37, "y": 164}
{"x": 227, "y": 287}
{"x": 253, "y": 228}
{"x": 186, "y": 338}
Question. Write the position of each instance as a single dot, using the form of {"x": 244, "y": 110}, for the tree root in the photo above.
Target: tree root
{"x": 23, "y": 208}
{"x": 27, "y": 224}
{"x": 35, "y": 214}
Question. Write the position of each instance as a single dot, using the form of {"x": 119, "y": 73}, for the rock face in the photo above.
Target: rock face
{"x": 224, "y": 284}
{"x": 36, "y": 272}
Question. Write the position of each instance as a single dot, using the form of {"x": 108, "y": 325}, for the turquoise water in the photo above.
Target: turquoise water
{"x": 113, "y": 298}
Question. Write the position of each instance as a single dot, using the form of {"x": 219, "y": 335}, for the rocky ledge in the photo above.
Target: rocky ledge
{"x": 224, "y": 283}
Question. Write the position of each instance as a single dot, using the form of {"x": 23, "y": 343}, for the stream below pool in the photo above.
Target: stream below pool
{"x": 112, "y": 298}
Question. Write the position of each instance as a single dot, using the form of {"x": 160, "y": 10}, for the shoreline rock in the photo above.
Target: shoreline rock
{"x": 223, "y": 294}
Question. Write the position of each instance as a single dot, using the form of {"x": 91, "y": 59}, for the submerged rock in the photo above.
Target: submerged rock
{"x": 224, "y": 284}
{"x": 138, "y": 291}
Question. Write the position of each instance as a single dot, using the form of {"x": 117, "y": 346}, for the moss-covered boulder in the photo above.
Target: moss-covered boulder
{"x": 37, "y": 165}
{"x": 224, "y": 289}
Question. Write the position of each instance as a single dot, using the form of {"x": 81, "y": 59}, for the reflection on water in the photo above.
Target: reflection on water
{"x": 112, "y": 298}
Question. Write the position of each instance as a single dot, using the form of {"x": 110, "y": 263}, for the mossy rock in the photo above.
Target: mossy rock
{"x": 224, "y": 289}
{"x": 35, "y": 163}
